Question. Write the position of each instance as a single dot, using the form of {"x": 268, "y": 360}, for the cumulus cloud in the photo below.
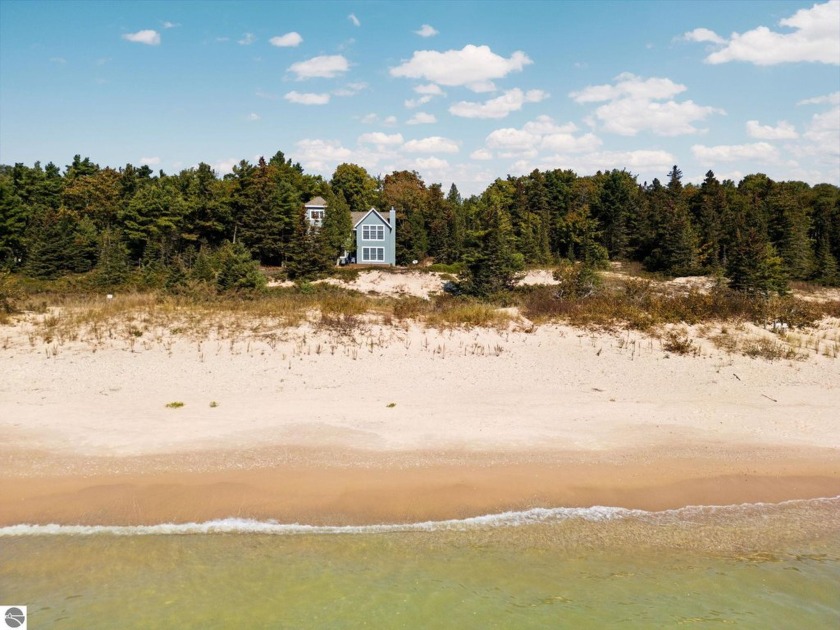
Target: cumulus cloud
{"x": 168, "y": 24}
{"x": 473, "y": 66}
{"x": 411, "y": 103}
{"x": 628, "y": 85}
{"x": 499, "y": 107}
{"x": 640, "y": 161}
{"x": 421, "y": 118}
{"x": 824, "y": 132}
{"x": 289, "y": 40}
{"x": 427, "y": 31}
{"x": 148, "y": 37}
{"x": 542, "y": 134}
{"x": 432, "y": 144}
{"x": 247, "y": 39}
{"x": 223, "y": 167}
{"x": 351, "y": 89}
{"x": 381, "y": 139}
{"x": 253, "y": 117}
{"x": 761, "y": 151}
{"x": 831, "y": 99}
{"x": 481, "y": 154}
{"x": 320, "y": 155}
{"x": 703, "y": 35}
{"x": 814, "y": 37}
{"x": 369, "y": 119}
{"x": 324, "y": 66}
{"x": 782, "y": 131}
{"x": 354, "y": 20}
{"x": 390, "y": 121}
{"x": 307, "y": 98}
{"x": 429, "y": 89}
{"x": 150, "y": 161}
{"x": 634, "y": 104}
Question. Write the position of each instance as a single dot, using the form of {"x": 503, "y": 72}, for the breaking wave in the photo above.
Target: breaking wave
{"x": 532, "y": 516}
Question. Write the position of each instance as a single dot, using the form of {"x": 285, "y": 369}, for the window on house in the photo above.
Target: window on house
{"x": 373, "y": 254}
{"x": 316, "y": 216}
{"x": 373, "y": 232}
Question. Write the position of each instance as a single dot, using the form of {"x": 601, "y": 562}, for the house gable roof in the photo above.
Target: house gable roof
{"x": 358, "y": 217}
{"x": 316, "y": 201}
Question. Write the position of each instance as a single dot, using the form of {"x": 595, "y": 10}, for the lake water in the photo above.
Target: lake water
{"x": 754, "y": 566}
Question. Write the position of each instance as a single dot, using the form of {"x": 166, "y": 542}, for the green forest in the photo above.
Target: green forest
{"x": 130, "y": 226}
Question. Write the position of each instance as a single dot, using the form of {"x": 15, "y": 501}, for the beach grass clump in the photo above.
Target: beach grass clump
{"x": 175, "y": 404}
{"x": 678, "y": 342}
{"x": 459, "y": 313}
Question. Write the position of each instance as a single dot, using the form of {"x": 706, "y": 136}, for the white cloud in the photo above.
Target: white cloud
{"x": 429, "y": 89}
{"x": 390, "y": 121}
{"x": 58, "y": 60}
{"x": 223, "y": 167}
{"x": 411, "y": 103}
{"x": 354, "y": 20}
{"x": 568, "y": 143}
{"x": 150, "y": 161}
{"x": 540, "y": 134}
{"x": 815, "y": 37}
{"x": 421, "y": 118}
{"x": 369, "y": 119}
{"x": 513, "y": 140}
{"x": 629, "y": 85}
{"x": 633, "y": 105}
{"x": 324, "y": 66}
{"x": 168, "y": 24}
{"x": 824, "y": 132}
{"x": 289, "y": 40}
{"x": 307, "y": 98}
{"x": 782, "y": 131}
{"x": 247, "y": 39}
{"x": 642, "y": 161}
{"x": 703, "y": 35}
{"x": 351, "y": 89}
{"x": 431, "y": 163}
{"x": 432, "y": 144}
{"x": 831, "y": 99}
{"x": 253, "y": 117}
{"x": 481, "y": 154}
{"x": 426, "y": 31}
{"x": 381, "y": 139}
{"x": 148, "y": 37}
{"x": 761, "y": 151}
{"x": 473, "y": 66}
{"x": 545, "y": 124}
{"x": 499, "y": 107}
{"x": 320, "y": 155}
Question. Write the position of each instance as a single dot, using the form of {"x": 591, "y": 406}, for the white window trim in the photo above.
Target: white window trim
{"x": 373, "y": 232}
{"x": 373, "y": 254}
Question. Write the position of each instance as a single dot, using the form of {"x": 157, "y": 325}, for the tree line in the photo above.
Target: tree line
{"x": 130, "y": 224}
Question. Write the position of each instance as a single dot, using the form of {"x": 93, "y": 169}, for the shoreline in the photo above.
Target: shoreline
{"x": 371, "y": 488}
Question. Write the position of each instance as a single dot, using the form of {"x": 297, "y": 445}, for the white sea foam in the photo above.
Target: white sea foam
{"x": 596, "y": 513}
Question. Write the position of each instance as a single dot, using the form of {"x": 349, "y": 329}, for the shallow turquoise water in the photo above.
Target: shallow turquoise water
{"x": 760, "y": 566}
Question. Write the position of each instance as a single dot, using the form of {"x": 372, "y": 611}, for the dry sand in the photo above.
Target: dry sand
{"x": 393, "y": 424}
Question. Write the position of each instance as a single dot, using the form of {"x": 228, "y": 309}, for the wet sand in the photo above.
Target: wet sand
{"x": 359, "y": 488}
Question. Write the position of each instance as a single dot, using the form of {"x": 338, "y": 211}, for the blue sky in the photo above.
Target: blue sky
{"x": 459, "y": 91}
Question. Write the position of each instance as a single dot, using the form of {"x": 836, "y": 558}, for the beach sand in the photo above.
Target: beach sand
{"x": 400, "y": 424}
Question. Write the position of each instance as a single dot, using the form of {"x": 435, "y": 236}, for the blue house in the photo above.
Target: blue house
{"x": 375, "y": 235}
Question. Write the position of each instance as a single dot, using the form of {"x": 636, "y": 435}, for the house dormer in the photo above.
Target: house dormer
{"x": 315, "y": 209}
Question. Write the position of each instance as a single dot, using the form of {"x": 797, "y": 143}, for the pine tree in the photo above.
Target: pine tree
{"x": 336, "y": 233}
{"x": 754, "y": 265}
{"x": 112, "y": 266}
{"x": 491, "y": 264}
